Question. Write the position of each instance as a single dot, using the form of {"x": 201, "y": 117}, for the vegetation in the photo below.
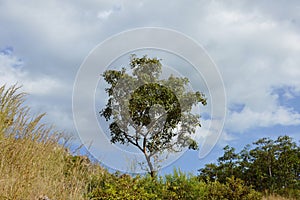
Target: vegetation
{"x": 175, "y": 186}
{"x": 149, "y": 113}
{"x": 270, "y": 166}
{"x": 34, "y": 164}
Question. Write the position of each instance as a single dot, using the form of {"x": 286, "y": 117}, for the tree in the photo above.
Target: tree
{"x": 270, "y": 166}
{"x": 264, "y": 162}
{"x": 227, "y": 163}
{"x": 244, "y": 165}
{"x": 154, "y": 115}
{"x": 209, "y": 172}
{"x": 287, "y": 166}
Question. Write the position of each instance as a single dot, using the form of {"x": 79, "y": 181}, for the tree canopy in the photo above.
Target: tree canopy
{"x": 270, "y": 165}
{"x": 153, "y": 114}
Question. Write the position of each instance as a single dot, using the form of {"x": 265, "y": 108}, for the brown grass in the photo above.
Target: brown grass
{"x": 32, "y": 162}
{"x": 275, "y": 197}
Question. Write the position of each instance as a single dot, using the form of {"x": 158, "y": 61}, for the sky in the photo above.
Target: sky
{"x": 255, "y": 46}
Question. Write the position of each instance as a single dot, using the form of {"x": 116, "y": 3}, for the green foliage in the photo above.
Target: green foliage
{"x": 271, "y": 166}
{"x": 174, "y": 186}
{"x": 182, "y": 186}
{"x": 115, "y": 186}
{"x": 150, "y": 113}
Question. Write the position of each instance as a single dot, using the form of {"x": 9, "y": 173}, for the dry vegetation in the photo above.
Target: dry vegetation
{"x": 32, "y": 162}
{"x": 273, "y": 197}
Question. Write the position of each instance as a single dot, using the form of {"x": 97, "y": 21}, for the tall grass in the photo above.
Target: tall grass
{"x": 32, "y": 162}
{"x": 275, "y": 197}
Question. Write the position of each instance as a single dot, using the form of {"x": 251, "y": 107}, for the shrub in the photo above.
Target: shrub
{"x": 170, "y": 187}
{"x": 233, "y": 189}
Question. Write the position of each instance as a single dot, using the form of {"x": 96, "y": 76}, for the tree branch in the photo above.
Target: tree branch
{"x": 134, "y": 143}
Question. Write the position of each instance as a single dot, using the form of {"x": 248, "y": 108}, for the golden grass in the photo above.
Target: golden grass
{"x": 32, "y": 162}
{"x": 275, "y": 197}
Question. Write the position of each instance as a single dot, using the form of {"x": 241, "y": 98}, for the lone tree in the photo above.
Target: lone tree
{"x": 152, "y": 114}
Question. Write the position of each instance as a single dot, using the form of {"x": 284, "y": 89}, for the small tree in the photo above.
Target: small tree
{"x": 152, "y": 114}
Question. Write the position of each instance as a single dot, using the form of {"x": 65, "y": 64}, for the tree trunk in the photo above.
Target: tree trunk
{"x": 151, "y": 168}
{"x": 153, "y": 174}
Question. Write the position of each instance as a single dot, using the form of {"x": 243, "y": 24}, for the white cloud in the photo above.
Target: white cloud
{"x": 255, "y": 45}
{"x": 45, "y": 93}
{"x": 256, "y": 53}
{"x": 12, "y": 72}
{"x": 104, "y": 14}
{"x": 247, "y": 118}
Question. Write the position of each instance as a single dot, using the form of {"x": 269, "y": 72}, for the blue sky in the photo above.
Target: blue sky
{"x": 255, "y": 45}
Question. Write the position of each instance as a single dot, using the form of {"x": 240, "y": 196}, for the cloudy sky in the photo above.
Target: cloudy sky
{"x": 254, "y": 44}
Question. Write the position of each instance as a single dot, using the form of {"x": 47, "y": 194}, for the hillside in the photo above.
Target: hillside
{"x": 35, "y": 165}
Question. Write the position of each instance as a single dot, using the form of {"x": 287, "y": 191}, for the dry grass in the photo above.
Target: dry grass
{"x": 32, "y": 163}
{"x": 273, "y": 197}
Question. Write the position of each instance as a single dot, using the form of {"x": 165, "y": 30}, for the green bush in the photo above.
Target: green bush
{"x": 234, "y": 189}
{"x": 172, "y": 187}
{"x": 118, "y": 186}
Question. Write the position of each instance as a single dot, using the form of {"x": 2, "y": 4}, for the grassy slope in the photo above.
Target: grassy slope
{"x": 32, "y": 163}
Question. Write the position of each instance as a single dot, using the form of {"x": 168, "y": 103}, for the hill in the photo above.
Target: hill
{"x": 36, "y": 164}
